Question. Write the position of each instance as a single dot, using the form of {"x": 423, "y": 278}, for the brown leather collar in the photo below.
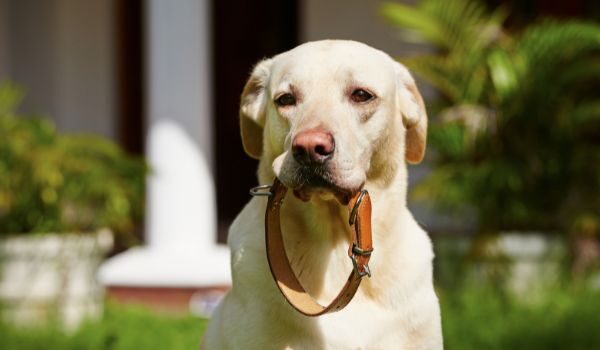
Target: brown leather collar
{"x": 359, "y": 252}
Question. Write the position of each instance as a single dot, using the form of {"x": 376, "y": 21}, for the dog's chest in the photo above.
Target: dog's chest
{"x": 359, "y": 327}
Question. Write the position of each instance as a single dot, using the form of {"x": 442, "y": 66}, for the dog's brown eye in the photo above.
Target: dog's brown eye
{"x": 285, "y": 100}
{"x": 360, "y": 95}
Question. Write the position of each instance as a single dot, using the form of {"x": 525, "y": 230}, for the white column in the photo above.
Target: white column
{"x": 181, "y": 208}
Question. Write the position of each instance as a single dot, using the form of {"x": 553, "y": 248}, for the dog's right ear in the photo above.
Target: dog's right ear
{"x": 252, "y": 109}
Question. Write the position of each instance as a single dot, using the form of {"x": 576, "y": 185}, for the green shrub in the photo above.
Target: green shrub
{"x": 52, "y": 182}
{"x": 515, "y": 131}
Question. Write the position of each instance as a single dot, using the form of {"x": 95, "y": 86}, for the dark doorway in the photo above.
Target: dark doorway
{"x": 129, "y": 88}
{"x": 243, "y": 33}
{"x": 129, "y": 28}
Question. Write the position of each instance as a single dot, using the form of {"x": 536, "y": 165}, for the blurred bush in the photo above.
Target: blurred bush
{"x": 52, "y": 182}
{"x": 516, "y": 131}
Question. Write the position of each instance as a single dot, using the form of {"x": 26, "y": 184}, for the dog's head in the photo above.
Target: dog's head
{"x": 328, "y": 115}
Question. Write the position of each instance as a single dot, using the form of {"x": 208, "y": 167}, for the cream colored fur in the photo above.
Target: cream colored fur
{"x": 395, "y": 309}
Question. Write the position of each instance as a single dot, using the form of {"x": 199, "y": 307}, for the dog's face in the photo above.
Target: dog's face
{"x": 323, "y": 112}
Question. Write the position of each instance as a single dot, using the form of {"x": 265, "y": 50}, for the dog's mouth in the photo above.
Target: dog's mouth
{"x": 306, "y": 193}
{"x": 322, "y": 185}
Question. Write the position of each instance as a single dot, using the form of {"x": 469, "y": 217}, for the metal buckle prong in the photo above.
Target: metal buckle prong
{"x": 366, "y": 270}
{"x": 260, "y": 191}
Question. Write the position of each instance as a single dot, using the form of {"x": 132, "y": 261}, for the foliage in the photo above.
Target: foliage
{"x": 51, "y": 182}
{"x": 472, "y": 318}
{"x": 122, "y": 328}
{"x": 476, "y": 317}
{"x": 516, "y": 132}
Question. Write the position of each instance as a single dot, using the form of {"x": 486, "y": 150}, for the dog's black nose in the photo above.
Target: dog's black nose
{"x": 313, "y": 147}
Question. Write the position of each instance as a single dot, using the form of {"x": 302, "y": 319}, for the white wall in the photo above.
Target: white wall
{"x": 30, "y": 51}
{"x": 358, "y": 20}
{"x": 352, "y": 19}
{"x": 62, "y": 53}
{"x": 85, "y": 66}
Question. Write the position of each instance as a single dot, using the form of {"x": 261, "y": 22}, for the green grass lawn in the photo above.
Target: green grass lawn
{"x": 122, "y": 328}
{"x": 473, "y": 318}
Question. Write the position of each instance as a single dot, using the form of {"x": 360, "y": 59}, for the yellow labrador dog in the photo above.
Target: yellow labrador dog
{"x": 327, "y": 119}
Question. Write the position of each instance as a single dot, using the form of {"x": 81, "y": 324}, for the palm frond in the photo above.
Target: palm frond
{"x": 586, "y": 114}
{"x": 415, "y": 21}
{"x": 437, "y": 71}
{"x": 504, "y": 73}
{"x": 548, "y": 46}
{"x": 586, "y": 71}
{"x": 448, "y": 25}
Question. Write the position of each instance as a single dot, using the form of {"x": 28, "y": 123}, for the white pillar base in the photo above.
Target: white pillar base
{"x": 181, "y": 221}
{"x": 148, "y": 267}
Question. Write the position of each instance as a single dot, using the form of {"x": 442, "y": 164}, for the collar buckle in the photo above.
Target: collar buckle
{"x": 357, "y": 251}
{"x": 261, "y": 190}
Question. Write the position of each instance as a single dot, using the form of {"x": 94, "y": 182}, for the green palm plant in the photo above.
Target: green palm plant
{"x": 516, "y": 131}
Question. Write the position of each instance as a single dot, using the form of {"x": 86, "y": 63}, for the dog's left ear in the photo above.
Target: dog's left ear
{"x": 414, "y": 116}
{"x": 252, "y": 109}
